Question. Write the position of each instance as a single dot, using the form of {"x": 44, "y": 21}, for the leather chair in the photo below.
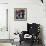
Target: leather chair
{"x": 32, "y": 29}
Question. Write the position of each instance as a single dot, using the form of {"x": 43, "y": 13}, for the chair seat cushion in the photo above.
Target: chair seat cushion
{"x": 27, "y": 36}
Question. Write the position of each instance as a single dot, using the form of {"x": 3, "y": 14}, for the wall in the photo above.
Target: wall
{"x": 3, "y": 34}
{"x": 3, "y": 1}
{"x": 35, "y": 13}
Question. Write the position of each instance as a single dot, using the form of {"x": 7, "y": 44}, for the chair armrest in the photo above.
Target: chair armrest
{"x": 24, "y": 32}
{"x": 22, "y": 35}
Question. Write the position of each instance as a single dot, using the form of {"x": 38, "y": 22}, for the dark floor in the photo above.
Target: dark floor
{"x": 23, "y": 43}
{"x": 29, "y": 44}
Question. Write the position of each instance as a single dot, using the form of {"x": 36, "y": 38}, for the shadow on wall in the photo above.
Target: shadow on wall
{"x": 41, "y": 34}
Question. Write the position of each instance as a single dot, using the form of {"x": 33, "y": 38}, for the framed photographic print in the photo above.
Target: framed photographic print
{"x": 20, "y": 14}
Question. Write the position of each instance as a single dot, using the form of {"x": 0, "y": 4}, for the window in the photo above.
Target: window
{"x": 3, "y": 17}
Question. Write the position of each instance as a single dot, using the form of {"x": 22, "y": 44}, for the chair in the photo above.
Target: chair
{"x": 33, "y": 30}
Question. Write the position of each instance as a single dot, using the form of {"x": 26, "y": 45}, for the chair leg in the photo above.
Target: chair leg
{"x": 32, "y": 42}
{"x": 20, "y": 42}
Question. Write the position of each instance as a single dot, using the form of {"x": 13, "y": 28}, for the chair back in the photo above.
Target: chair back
{"x": 33, "y": 28}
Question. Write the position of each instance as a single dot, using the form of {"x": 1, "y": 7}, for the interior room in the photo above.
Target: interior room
{"x": 22, "y": 23}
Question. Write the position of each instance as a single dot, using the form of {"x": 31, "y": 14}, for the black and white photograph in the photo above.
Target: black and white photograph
{"x": 20, "y": 13}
